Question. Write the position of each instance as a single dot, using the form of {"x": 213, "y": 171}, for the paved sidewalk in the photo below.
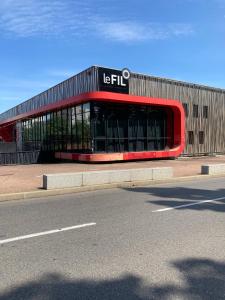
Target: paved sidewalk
{"x": 15, "y": 179}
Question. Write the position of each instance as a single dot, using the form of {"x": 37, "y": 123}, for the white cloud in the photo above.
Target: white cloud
{"x": 27, "y": 18}
{"x": 132, "y": 32}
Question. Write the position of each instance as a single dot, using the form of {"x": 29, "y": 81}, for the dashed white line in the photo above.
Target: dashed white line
{"x": 24, "y": 237}
{"x": 189, "y": 204}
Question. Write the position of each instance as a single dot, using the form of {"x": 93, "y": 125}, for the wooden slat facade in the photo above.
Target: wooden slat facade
{"x": 191, "y": 94}
{"x": 142, "y": 85}
{"x": 83, "y": 82}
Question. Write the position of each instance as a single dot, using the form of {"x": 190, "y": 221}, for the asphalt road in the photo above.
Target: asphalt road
{"x": 161, "y": 242}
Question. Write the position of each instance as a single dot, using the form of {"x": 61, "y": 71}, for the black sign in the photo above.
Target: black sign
{"x": 113, "y": 80}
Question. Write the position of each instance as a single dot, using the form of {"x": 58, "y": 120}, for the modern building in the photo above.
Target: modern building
{"x": 103, "y": 114}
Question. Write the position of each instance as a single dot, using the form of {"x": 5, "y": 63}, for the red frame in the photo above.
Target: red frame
{"x": 174, "y": 105}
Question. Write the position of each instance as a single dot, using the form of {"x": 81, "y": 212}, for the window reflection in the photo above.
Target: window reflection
{"x": 62, "y": 130}
{"x": 99, "y": 127}
{"x": 121, "y": 128}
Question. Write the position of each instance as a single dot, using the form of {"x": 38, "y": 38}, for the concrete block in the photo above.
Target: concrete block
{"x": 215, "y": 169}
{"x": 162, "y": 173}
{"x": 96, "y": 178}
{"x": 117, "y": 176}
{"x": 141, "y": 174}
{"x": 82, "y": 179}
{"x": 59, "y": 181}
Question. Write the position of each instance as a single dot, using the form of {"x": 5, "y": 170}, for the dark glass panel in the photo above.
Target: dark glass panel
{"x": 86, "y": 107}
{"x": 185, "y": 106}
{"x": 201, "y": 137}
{"x": 205, "y": 112}
{"x": 195, "y": 111}
{"x": 86, "y": 131}
{"x": 79, "y": 130}
{"x": 73, "y": 129}
{"x": 128, "y": 128}
{"x": 190, "y": 137}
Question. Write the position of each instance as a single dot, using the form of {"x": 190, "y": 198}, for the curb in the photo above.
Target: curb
{"x": 66, "y": 191}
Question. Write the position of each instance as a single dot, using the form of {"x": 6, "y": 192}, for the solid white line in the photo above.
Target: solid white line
{"x": 24, "y": 237}
{"x": 189, "y": 204}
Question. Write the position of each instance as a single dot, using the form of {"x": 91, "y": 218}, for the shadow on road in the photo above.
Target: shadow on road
{"x": 173, "y": 196}
{"x": 201, "y": 279}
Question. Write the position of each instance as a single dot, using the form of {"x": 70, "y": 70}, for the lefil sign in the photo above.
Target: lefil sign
{"x": 114, "y": 80}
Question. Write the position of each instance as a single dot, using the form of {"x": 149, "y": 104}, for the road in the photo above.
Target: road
{"x": 161, "y": 242}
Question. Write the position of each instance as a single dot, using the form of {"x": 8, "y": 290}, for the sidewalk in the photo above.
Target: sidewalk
{"x": 25, "y": 178}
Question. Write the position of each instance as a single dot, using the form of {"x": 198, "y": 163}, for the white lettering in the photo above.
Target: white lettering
{"x": 104, "y": 78}
{"x": 122, "y": 83}
{"x": 113, "y": 78}
{"x": 108, "y": 81}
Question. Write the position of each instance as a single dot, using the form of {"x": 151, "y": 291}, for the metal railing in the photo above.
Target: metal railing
{"x": 19, "y": 158}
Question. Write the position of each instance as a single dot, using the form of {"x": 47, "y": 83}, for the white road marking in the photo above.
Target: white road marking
{"x": 189, "y": 204}
{"x": 24, "y": 237}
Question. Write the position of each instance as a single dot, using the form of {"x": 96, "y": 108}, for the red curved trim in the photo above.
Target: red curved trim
{"x": 117, "y": 156}
{"x": 174, "y": 105}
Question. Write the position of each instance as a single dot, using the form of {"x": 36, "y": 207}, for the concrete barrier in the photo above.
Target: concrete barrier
{"x": 141, "y": 174}
{"x": 116, "y": 176}
{"x": 70, "y": 180}
{"x": 63, "y": 180}
{"x": 215, "y": 169}
{"x": 162, "y": 173}
{"x": 95, "y": 178}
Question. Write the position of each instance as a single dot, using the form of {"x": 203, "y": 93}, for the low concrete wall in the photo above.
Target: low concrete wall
{"x": 215, "y": 169}
{"x": 69, "y": 180}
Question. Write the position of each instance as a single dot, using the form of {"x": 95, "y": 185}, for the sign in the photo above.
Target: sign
{"x": 114, "y": 80}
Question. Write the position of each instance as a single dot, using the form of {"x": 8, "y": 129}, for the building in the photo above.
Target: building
{"x": 108, "y": 115}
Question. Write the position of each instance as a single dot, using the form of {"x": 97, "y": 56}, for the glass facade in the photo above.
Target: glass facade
{"x": 127, "y": 128}
{"x": 63, "y": 130}
{"x": 100, "y": 127}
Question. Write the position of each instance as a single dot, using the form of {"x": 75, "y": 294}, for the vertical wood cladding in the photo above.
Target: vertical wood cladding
{"x": 213, "y": 126}
{"x": 83, "y": 82}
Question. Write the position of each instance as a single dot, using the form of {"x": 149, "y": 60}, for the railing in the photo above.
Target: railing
{"x": 19, "y": 158}
{"x": 7, "y": 147}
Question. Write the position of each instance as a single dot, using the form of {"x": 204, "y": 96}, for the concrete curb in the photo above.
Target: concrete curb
{"x": 65, "y": 191}
{"x": 94, "y": 178}
{"x": 213, "y": 169}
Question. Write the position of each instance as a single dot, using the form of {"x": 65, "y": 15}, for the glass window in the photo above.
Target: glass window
{"x": 78, "y": 109}
{"x": 205, "y": 112}
{"x": 64, "y": 130}
{"x": 119, "y": 128}
{"x": 79, "y": 131}
{"x": 185, "y": 106}
{"x": 69, "y": 129}
{"x": 201, "y": 137}
{"x": 86, "y": 107}
{"x": 73, "y": 129}
{"x": 86, "y": 130}
{"x": 195, "y": 111}
{"x": 190, "y": 137}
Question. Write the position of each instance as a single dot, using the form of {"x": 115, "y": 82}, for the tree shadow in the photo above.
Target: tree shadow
{"x": 201, "y": 279}
{"x": 176, "y": 196}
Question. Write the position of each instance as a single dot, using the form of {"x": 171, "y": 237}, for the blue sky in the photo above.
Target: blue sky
{"x": 43, "y": 42}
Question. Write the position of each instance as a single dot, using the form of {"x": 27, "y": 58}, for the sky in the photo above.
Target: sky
{"x": 43, "y": 42}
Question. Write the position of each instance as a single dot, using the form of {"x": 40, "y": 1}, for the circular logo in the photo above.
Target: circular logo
{"x": 126, "y": 73}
